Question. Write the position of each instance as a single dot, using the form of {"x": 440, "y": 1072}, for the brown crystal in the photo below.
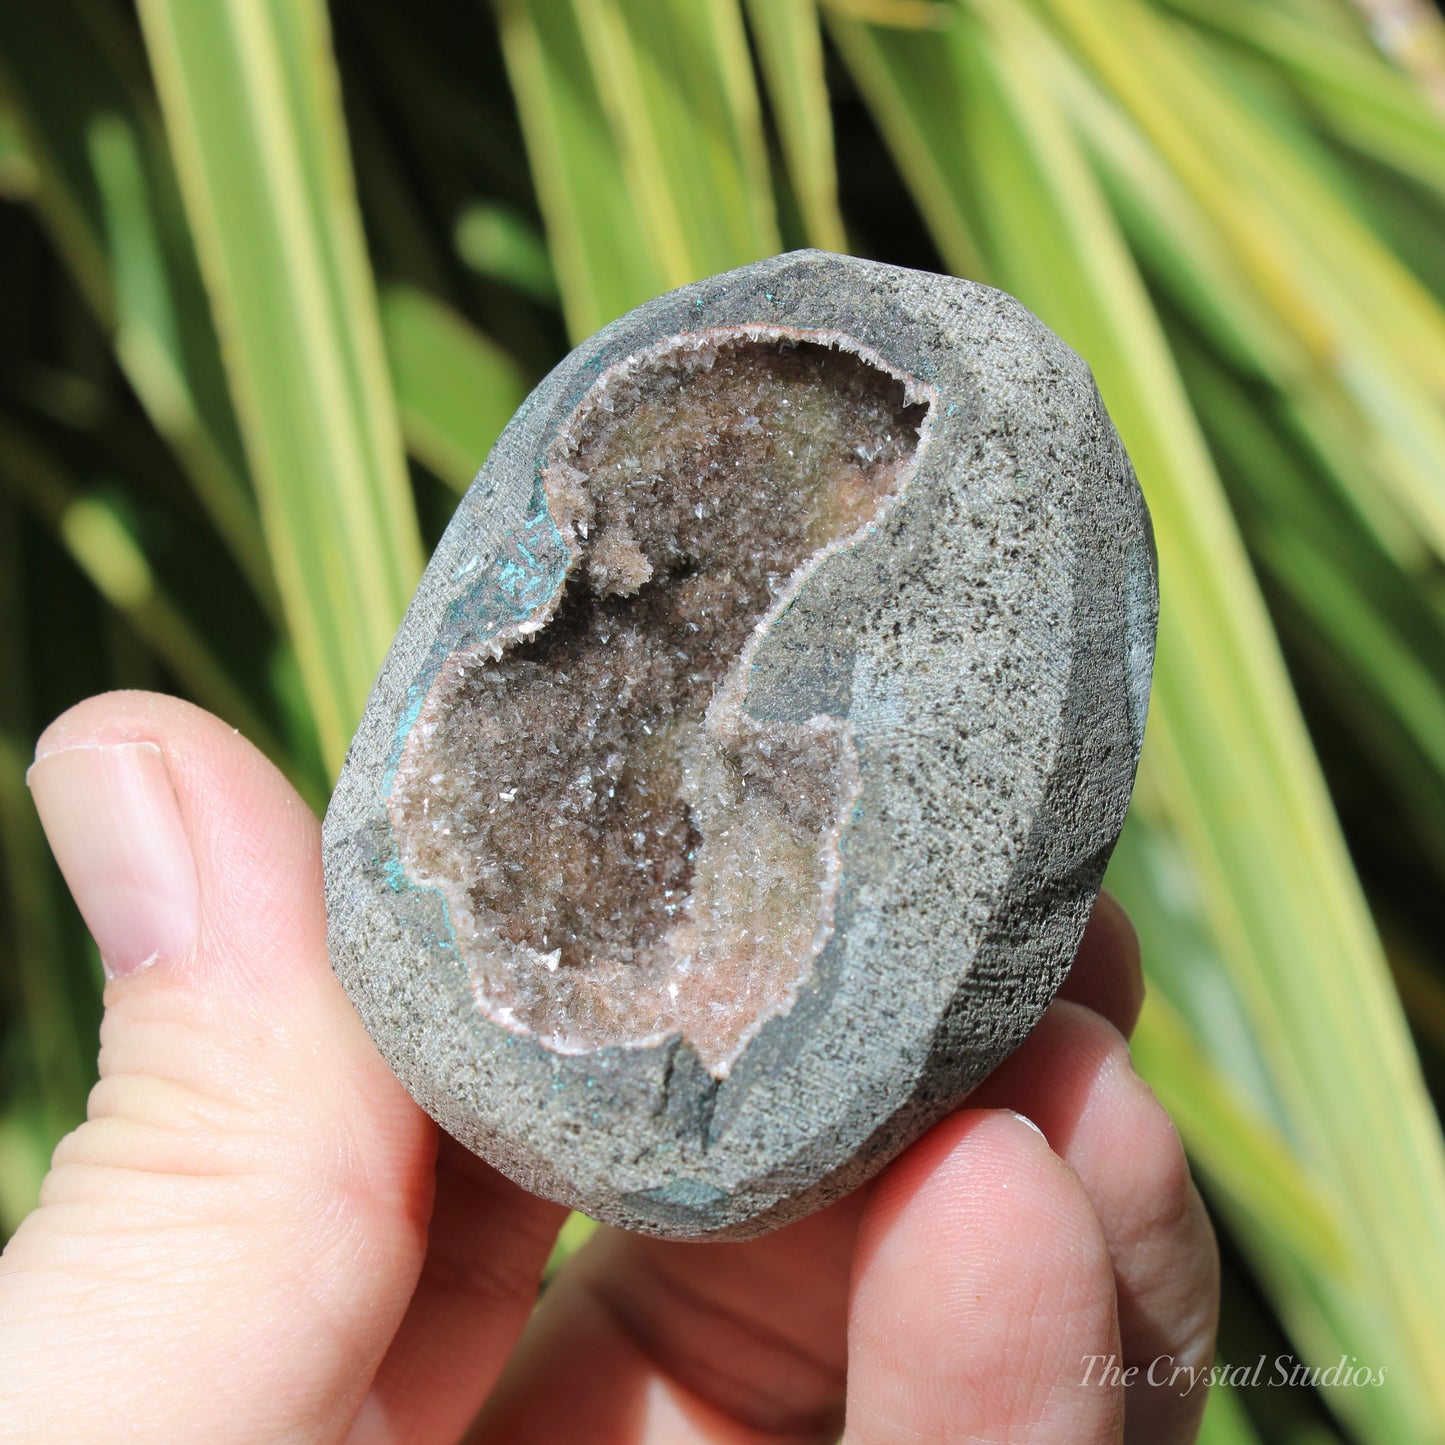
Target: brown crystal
{"x": 625, "y": 853}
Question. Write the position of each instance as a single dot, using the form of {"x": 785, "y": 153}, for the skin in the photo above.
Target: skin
{"x": 256, "y": 1235}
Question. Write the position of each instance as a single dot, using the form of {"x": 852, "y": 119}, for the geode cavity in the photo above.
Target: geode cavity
{"x": 738, "y": 785}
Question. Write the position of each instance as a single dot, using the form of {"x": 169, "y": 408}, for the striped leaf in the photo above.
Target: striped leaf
{"x": 253, "y": 110}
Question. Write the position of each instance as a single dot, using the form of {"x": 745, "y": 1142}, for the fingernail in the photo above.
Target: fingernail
{"x": 114, "y": 825}
{"x": 1024, "y": 1119}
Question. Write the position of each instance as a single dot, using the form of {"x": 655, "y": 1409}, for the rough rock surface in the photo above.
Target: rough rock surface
{"x": 741, "y": 777}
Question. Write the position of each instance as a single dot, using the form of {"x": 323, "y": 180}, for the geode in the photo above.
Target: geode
{"x": 741, "y": 778}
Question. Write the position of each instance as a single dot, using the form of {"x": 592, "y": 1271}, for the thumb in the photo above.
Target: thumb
{"x": 225, "y": 1247}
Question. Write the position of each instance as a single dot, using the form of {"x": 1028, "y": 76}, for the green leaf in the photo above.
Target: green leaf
{"x": 910, "y": 84}
{"x": 455, "y": 388}
{"x": 601, "y": 259}
{"x": 1350, "y": 87}
{"x": 496, "y": 242}
{"x": 643, "y": 125}
{"x": 105, "y": 190}
{"x": 1241, "y": 1153}
{"x": 1225, "y": 1421}
{"x": 152, "y": 345}
{"x": 790, "y": 50}
{"x": 1354, "y": 307}
{"x": 253, "y": 110}
{"x": 100, "y": 544}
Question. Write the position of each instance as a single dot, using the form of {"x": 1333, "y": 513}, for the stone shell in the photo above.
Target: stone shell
{"x": 990, "y": 644}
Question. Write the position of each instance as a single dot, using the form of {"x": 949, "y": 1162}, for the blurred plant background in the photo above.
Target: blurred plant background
{"x": 273, "y": 281}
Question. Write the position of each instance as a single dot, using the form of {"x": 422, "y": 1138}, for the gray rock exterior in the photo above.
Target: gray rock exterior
{"x": 988, "y": 643}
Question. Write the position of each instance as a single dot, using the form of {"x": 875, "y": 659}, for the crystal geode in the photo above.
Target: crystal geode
{"x": 739, "y": 782}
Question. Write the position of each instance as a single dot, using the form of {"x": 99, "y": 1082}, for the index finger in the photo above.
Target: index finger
{"x": 982, "y": 1289}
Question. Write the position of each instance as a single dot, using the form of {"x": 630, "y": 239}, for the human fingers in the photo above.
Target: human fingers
{"x": 1106, "y": 974}
{"x": 655, "y": 1342}
{"x": 230, "y": 1240}
{"x": 487, "y": 1245}
{"x": 1074, "y": 1079}
{"x": 982, "y": 1282}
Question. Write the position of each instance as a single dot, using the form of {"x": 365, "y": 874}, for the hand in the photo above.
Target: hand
{"x": 257, "y": 1236}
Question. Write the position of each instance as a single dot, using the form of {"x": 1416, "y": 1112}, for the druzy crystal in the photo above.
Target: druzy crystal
{"x": 624, "y": 852}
